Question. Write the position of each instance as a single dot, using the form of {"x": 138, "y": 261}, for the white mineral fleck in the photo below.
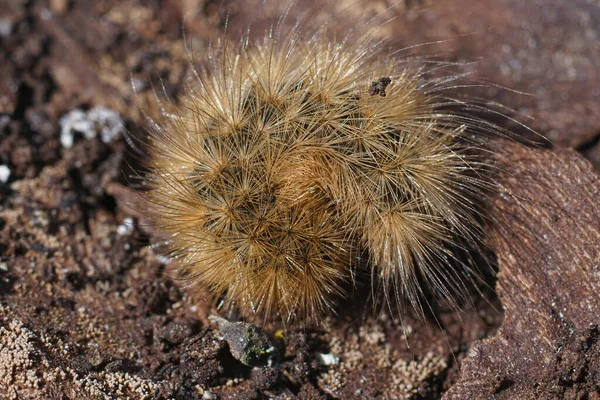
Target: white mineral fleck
{"x": 4, "y": 173}
{"x": 327, "y": 359}
{"x": 126, "y": 228}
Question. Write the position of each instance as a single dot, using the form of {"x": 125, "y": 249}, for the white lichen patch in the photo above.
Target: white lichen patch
{"x": 17, "y": 358}
{"x": 28, "y": 371}
{"x": 408, "y": 375}
{"x": 331, "y": 381}
{"x": 369, "y": 349}
{"x": 98, "y": 121}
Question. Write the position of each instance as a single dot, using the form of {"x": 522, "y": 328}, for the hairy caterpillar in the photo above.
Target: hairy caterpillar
{"x": 297, "y": 162}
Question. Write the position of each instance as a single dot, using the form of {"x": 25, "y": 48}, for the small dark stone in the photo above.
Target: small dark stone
{"x": 378, "y": 87}
{"x": 40, "y": 248}
{"x": 175, "y": 332}
{"x": 81, "y": 364}
{"x": 248, "y": 343}
{"x": 114, "y": 366}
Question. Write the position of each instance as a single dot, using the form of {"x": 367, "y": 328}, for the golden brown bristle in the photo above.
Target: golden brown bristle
{"x": 289, "y": 157}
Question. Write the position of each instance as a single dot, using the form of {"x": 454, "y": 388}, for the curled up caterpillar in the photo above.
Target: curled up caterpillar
{"x": 297, "y": 165}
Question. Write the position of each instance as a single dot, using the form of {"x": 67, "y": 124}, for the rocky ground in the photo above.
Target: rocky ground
{"x": 88, "y": 310}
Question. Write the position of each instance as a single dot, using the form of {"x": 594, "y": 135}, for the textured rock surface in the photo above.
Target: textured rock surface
{"x": 548, "y": 248}
{"x": 548, "y": 49}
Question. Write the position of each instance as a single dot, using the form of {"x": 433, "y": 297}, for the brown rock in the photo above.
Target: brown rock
{"x": 546, "y": 241}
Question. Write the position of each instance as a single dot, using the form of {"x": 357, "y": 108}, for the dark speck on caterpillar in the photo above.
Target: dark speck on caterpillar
{"x": 297, "y": 166}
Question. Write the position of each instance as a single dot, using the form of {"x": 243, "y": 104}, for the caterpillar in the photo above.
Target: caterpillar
{"x": 296, "y": 164}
